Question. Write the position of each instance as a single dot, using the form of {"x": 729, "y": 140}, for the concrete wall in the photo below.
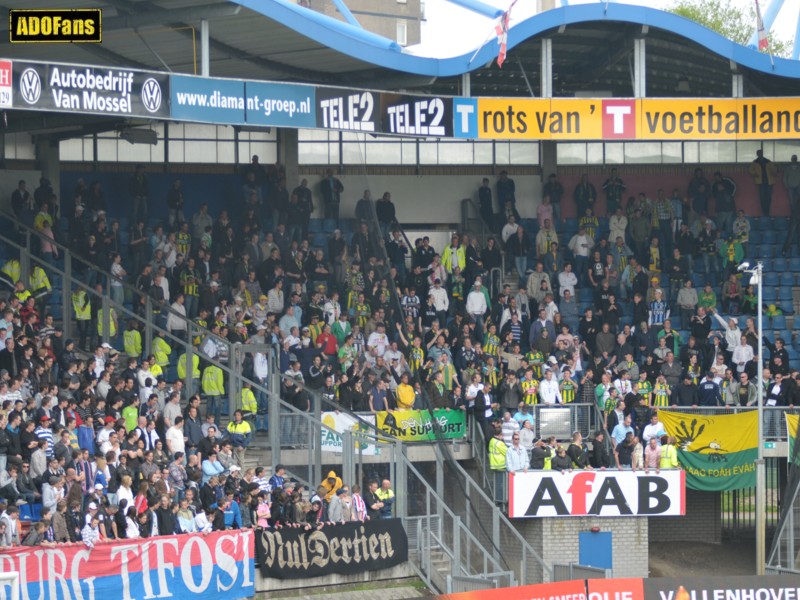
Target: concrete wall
{"x": 557, "y": 540}
{"x": 702, "y": 522}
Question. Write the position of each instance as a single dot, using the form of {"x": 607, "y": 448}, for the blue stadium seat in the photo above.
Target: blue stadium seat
{"x": 585, "y": 295}
{"x": 315, "y": 226}
{"x": 770, "y": 294}
{"x": 780, "y": 223}
{"x": 765, "y": 251}
{"x": 778, "y": 264}
{"x": 771, "y": 279}
{"x": 794, "y": 264}
{"x": 321, "y": 241}
{"x": 769, "y": 236}
{"x": 785, "y": 294}
{"x": 779, "y": 322}
{"x": 329, "y": 225}
{"x": 755, "y": 236}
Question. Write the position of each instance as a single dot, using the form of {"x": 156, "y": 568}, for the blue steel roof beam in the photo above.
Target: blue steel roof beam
{"x": 478, "y": 7}
{"x": 348, "y": 16}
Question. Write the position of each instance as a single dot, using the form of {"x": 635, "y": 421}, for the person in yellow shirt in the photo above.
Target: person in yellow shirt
{"x": 404, "y": 395}
{"x": 239, "y": 433}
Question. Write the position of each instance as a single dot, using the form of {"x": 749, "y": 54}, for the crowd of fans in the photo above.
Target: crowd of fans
{"x": 367, "y": 321}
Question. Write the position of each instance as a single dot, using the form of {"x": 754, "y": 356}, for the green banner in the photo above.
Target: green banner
{"x": 718, "y": 452}
{"x": 421, "y": 426}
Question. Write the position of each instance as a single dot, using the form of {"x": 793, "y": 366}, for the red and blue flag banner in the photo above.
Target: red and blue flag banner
{"x": 179, "y": 567}
{"x": 763, "y": 42}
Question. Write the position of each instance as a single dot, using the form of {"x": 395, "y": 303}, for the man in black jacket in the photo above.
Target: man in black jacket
{"x": 540, "y": 452}
{"x": 578, "y": 453}
{"x": 600, "y": 459}
{"x": 165, "y": 517}
{"x": 372, "y": 502}
{"x": 685, "y": 393}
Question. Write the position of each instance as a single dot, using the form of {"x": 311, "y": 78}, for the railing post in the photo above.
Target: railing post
{"x": 316, "y": 437}
{"x": 66, "y": 296}
{"x": 274, "y": 416}
{"x": 188, "y": 349}
{"x": 439, "y": 479}
{"x": 148, "y": 324}
{"x": 234, "y": 380}
{"x": 348, "y": 456}
{"x": 106, "y": 325}
{"x": 496, "y": 534}
{"x": 456, "y": 569}
{"x": 401, "y": 483}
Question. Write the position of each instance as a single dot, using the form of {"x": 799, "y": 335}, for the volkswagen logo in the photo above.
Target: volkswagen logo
{"x": 30, "y": 86}
{"x": 151, "y": 95}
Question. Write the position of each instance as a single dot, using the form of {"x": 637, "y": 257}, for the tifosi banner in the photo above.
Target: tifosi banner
{"x": 89, "y": 90}
{"x": 337, "y": 423}
{"x": 346, "y": 549}
{"x": 596, "y": 493}
{"x": 421, "y": 426}
{"x": 219, "y": 564}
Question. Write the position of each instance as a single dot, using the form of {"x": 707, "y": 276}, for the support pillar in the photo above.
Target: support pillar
{"x": 289, "y": 156}
{"x": 737, "y": 85}
{"x": 548, "y": 158}
{"x": 204, "y": 60}
{"x": 48, "y": 159}
{"x": 466, "y": 85}
{"x": 639, "y": 68}
{"x": 546, "y": 70}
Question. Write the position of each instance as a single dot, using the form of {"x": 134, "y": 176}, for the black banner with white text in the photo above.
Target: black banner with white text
{"x": 348, "y": 548}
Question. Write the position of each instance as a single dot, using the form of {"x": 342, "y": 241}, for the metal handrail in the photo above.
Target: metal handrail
{"x": 65, "y": 251}
{"x": 499, "y": 520}
{"x": 774, "y": 421}
{"x": 459, "y": 530}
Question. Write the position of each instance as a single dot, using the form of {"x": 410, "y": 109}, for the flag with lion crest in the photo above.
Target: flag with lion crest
{"x": 718, "y": 452}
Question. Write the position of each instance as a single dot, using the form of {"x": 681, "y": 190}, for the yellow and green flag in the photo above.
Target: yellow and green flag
{"x": 718, "y": 452}
{"x": 792, "y": 423}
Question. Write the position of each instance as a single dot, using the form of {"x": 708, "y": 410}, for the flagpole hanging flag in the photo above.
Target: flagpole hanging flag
{"x": 792, "y": 428}
{"x": 718, "y": 452}
{"x": 501, "y": 29}
{"x": 763, "y": 43}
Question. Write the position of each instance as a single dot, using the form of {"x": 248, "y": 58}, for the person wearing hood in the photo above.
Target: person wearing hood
{"x": 331, "y": 483}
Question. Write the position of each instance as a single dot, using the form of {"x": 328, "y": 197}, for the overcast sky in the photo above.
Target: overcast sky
{"x": 473, "y": 29}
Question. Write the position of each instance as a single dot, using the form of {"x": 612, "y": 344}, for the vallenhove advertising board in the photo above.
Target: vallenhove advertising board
{"x": 78, "y": 89}
{"x": 695, "y": 588}
{"x": 773, "y": 587}
{"x": 173, "y": 566}
{"x": 597, "y": 493}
